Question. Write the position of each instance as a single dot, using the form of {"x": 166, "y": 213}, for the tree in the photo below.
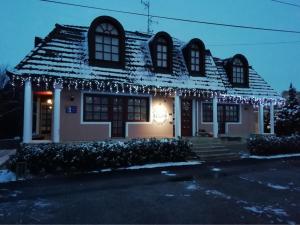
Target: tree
{"x": 287, "y": 120}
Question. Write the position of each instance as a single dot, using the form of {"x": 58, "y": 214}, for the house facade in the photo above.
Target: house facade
{"x": 101, "y": 82}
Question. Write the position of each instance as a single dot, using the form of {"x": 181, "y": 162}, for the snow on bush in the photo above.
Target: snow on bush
{"x": 66, "y": 157}
{"x": 271, "y": 145}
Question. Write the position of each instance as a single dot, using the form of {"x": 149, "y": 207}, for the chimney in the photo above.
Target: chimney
{"x": 37, "y": 40}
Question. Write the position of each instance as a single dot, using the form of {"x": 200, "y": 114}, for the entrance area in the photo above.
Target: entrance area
{"x": 118, "y": 123}
{"x": 186, "y": 118}
{"x": 42, "y": 115}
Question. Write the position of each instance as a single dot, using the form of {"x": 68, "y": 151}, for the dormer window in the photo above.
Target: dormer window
{"x": 106, "y": 43}
{"x": 238, "y": 71}
{"x": 161, "y": 47}
{"x": 194, "y": 55}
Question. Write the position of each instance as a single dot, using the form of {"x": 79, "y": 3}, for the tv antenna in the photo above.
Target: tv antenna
{"x": 146, "y": 4}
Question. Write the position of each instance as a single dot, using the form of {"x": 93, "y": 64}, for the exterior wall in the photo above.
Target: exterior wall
{"x": 74, "y": 129}
{"x": 246, "y": 126}
{"x": 71, "y": 126}
{"x": 151, "y": 128}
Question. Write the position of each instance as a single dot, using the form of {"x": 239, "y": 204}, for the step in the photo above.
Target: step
{"x": 218, "y": 157}
{"x": 208, "y": 146}
{"x": 211, "y": 152}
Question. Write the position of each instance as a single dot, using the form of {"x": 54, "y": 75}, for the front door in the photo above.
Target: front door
{"x": 117, "y": 117}
{"x": 221, "y": 119}
{"x": 186, "y": 118}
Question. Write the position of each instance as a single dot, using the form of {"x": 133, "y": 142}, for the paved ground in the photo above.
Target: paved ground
{"x": 4, "y": 155}
{"x": 245, "y": 191}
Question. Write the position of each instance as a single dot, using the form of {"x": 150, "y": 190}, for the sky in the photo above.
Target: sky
{"x": 278, "y": 64}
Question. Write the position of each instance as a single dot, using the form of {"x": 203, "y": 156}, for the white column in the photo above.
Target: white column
{"x": 27, "y": 120}
{"x": 261, "y": 119}
{"x": 177, "y": 116}
{"x": 56, "y": 115}
{"x": 194, "y": 116}
{"x": 215, "y": 116}
{"x": 272, "y": 118}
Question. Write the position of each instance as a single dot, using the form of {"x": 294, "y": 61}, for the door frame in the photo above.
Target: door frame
{"x": 191, "y": 116}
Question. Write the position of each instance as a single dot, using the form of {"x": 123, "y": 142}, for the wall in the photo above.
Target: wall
{"x": 153, "y": 129}
{"x": 71, "y": 128}
{"x": 246, "y": 126}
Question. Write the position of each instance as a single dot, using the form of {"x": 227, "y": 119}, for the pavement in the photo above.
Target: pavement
{"x": 5, "y": 154}
{"x": 243, "y": 191}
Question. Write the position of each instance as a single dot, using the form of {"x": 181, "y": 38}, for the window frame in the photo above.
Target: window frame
{"x": 134, "y": 113}
{"x": 110, "y": 108}
{"x": 155, "y": 41}
{"x": 93, "y": 61}
{"x": 244, "y": 68}
{"x": 187, "y": 53}
{"x": 208, "y": 118}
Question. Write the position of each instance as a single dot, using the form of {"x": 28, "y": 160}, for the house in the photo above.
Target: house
{"x": 101, "y": 82}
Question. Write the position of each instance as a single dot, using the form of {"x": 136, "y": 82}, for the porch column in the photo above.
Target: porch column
{"x": 215, "y": 116}
{"x": 261, "y": 119}
{"x": 56, "y": 114}
{"x": 27, "y": 119}
{"x": 272, "y": 118}
{"x": 177, "y": 116}
{"x": 194, "y": 116}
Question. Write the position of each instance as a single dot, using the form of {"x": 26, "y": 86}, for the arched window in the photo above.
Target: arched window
{"x": 238, "y": 71}
{"x": 194, "y": 55}
{"x": 161, "y": 47}
{"x": 106, "y": 42}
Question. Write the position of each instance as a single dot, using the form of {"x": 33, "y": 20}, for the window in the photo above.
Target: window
{"x": 237, "y": 71}
{"x": 195, "y": 58}
{"x": 106, "y": 43}
{"x": 95, "y": 108}
{"x": 226, "y": 113}
{"x": 162, "y": 53}
{"x": 137, "y": 109}
{"x": 161, "y": 47}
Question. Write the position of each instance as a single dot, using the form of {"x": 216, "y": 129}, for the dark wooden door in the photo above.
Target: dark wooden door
{"x": 118, "y": 123}
{"x": 186, "y": 118}
{"x": 221, "y": 119}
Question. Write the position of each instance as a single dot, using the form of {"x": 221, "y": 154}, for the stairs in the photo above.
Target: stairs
{"x": 215, "y": 149}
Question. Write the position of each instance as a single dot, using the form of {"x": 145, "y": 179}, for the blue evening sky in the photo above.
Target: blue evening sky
{"x": 279, "y": 64}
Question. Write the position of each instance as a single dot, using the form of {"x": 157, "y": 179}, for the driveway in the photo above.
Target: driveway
{"x": 244, "y": 191}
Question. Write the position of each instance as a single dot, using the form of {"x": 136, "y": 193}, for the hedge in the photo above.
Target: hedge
{"x": 68, "y": 157}
{"x": 272, "y": 145}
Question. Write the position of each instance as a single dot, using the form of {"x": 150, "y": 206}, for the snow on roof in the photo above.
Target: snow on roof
{"x": 64, "y": 53}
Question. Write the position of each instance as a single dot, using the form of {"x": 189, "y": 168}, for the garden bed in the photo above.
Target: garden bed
{"x": 87, "y": 156}
{"x": 266, "y": 145}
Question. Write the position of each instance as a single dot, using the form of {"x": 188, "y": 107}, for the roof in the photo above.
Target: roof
{"x": 64, "y": 54}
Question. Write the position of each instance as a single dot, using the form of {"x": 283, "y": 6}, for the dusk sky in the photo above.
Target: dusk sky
{"x": 22, "y": 20}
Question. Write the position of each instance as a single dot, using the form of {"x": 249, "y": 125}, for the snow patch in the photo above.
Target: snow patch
{"x": 169, "y": 195}
{"x": 277, "y": 187}
{"x": 192, "y": 187}
{"x": 167, "y": 173}
{"x": 41, "y": 203}
{"x": 7, "y": 176}
{"x": 217, "y": 194}
{"x": 274, "y": 156}
{"x": 216, "y": 169}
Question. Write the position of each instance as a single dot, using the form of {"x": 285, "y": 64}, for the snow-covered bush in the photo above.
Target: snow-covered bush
{"x": 271, "y": 145}
{"x": 66, "y": 157}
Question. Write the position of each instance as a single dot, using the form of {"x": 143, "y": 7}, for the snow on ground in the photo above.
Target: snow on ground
{"x": 278, "y": 187}
{"x": 270, "y": 185}
{"x": 7, "y": 176}
{"x": 274, "y": 156}
{"x": 217, "y": 194}
{"x": 216, "y": 169}
{"x": 167, "y": 173}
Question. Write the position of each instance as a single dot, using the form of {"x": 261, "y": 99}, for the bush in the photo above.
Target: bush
{"x": 67, "y": 157}
{"x": 272, "y": 145}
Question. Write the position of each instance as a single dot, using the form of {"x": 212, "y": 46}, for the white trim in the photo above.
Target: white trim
{"x": 141, "y": 123}
{"x": 38, "y": 116}
{"x": 272, "y": 122}
{"x": 108, "y": 122}
{"x": 227, "y": 123}
{"x": 194, "y": 117}
{"x": 91, "y": 123}
{"x": 177, "y": 103}
{"x": 27, "y": 116}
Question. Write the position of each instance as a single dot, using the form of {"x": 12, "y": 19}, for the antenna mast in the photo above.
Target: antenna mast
{"x": 146, "y": 4}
